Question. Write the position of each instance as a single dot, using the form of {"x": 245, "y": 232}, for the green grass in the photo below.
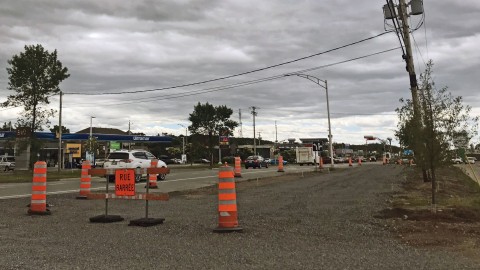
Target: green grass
{"x": 455, "y": 190}
{"x": 27, "y": 176}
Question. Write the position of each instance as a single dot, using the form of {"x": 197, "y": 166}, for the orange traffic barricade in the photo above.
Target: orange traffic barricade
{"x": 280, "y": 164}
{"x": 38, "y": 204}
{"x": 152, "y": 178}
{"x": 85, "y": 180}
{"x": 227, "y": 201}
{"x": 238, "y": 167}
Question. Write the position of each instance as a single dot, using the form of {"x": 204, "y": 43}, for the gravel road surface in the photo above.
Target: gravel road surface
{"x": 320, "y": 221}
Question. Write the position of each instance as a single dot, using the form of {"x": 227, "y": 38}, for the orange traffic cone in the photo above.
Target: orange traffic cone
{"x": 152, "y": 178}
{"x": 320, "y": 163}
{"x": 350, "y": 162}
{"x": 85, "y": 180}
{"x": 238, "y": 165}
{"x": 38, "y": 205}
{"x": 227, "y": 201}
{"x": 280, "y": 164}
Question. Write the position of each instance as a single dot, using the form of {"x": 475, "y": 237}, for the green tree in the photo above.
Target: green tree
{"x": 444, "y": 118}
{"x": 34, "y": 75}
{"x": 55, "y": 129}
{"x": 211, "y": 121}
{"x": 6, "y": 126}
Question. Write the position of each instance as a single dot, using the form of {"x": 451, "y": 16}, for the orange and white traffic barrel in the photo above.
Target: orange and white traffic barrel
{"x": 320, "y": 163}
{"x": 280, "y": 164}
{"x": 238, "y": 167}
{"x": 85, "y": 180}
{"x": 350, "y": 162}
{"x": 359, "y": 161}
{"x": 152, "y": 178}
{"x": 227, "y": 201}
{"x": 38, "y": 204}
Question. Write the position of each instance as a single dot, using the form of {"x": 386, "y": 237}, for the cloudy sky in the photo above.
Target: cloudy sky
{"x": 174, "y": 54}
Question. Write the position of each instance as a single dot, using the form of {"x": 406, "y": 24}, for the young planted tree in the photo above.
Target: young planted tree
{"x": 34, "y": 75}
{"x": 443, "y": 119}
{"x": 211, "y": 121}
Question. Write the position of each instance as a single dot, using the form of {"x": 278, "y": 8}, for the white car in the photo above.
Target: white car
{"x": 471, "y": 160}
{"x": 132, "y": 159}
{"x": 7, "y": 163}
{"x": 457, "y": 160}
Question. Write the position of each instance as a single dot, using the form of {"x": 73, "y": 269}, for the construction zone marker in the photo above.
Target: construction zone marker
{"x": 38, "y": 203}
{"x": 280, "y": 164}
{"x": 125, "y": 189}
{"x": 359, "y": 161}
{"x": 227, "y": 201}
{"x": 238, "y": 167}
{"x": 320, "y": 164}
{"x": 350, "y": 162}
{"x": 152, "y": 178}
{"x": 85, "y": 180}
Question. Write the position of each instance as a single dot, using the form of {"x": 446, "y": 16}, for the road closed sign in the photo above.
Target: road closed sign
{"x": 125, "y": 182}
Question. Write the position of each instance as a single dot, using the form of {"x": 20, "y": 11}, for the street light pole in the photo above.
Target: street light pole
{"x": 317, "y": 81}
{"x": 184, "y": 140}
{"x": 90, "y": 139}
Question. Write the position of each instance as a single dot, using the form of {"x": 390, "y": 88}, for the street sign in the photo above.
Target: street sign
{"x": 125, "y": 182}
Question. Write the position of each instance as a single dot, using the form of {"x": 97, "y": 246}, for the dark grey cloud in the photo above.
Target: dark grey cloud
{"x": 112, "y": 46}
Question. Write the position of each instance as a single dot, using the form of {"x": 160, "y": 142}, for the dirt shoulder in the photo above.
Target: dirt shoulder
{"x": 455, "y": 225}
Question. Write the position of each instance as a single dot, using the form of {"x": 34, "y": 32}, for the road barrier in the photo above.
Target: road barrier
{"x": 280, "y": 164}
{"x": 227, "y": 201}
{"x": 85, "y": 180}
{"x": 152, "y": 178}
{"x": 238, "y": 167}
{"x": 38, "y": 203}
{"x": 125, "y": 189}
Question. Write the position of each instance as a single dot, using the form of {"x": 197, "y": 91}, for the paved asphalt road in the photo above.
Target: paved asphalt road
{"x": 179, "y": 179}
{"x": 320, "y": 221}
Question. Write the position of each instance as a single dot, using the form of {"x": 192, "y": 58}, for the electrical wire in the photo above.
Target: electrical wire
{"x": 395, "y": 22}
{"x": 230, "y": 86}
{"x": 235, "y": 75}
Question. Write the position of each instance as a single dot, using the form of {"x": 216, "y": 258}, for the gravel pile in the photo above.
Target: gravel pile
{"x": 321, "y": 221}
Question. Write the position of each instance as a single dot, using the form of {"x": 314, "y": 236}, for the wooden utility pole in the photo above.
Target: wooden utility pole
{"x": 60, "y": 157}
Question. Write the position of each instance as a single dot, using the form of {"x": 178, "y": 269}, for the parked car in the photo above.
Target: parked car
{"x": 131, "y": 160}
{"x": 99, "y": 162}
{"x": 457, "y": 160}
{"x": 470, "y": 160}
{"x": 255, "y": 162}
{"x": 202, "y": 160}
{"x": 166, "y": 159}
{"x": 373, "y": 158}
{"x": 274, "y": 161}
{"x": 7, "y": 163}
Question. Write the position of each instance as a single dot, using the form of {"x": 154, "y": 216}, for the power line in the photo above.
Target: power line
{"x": 235, "y": 75}
{"x": 226, "y": 87}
